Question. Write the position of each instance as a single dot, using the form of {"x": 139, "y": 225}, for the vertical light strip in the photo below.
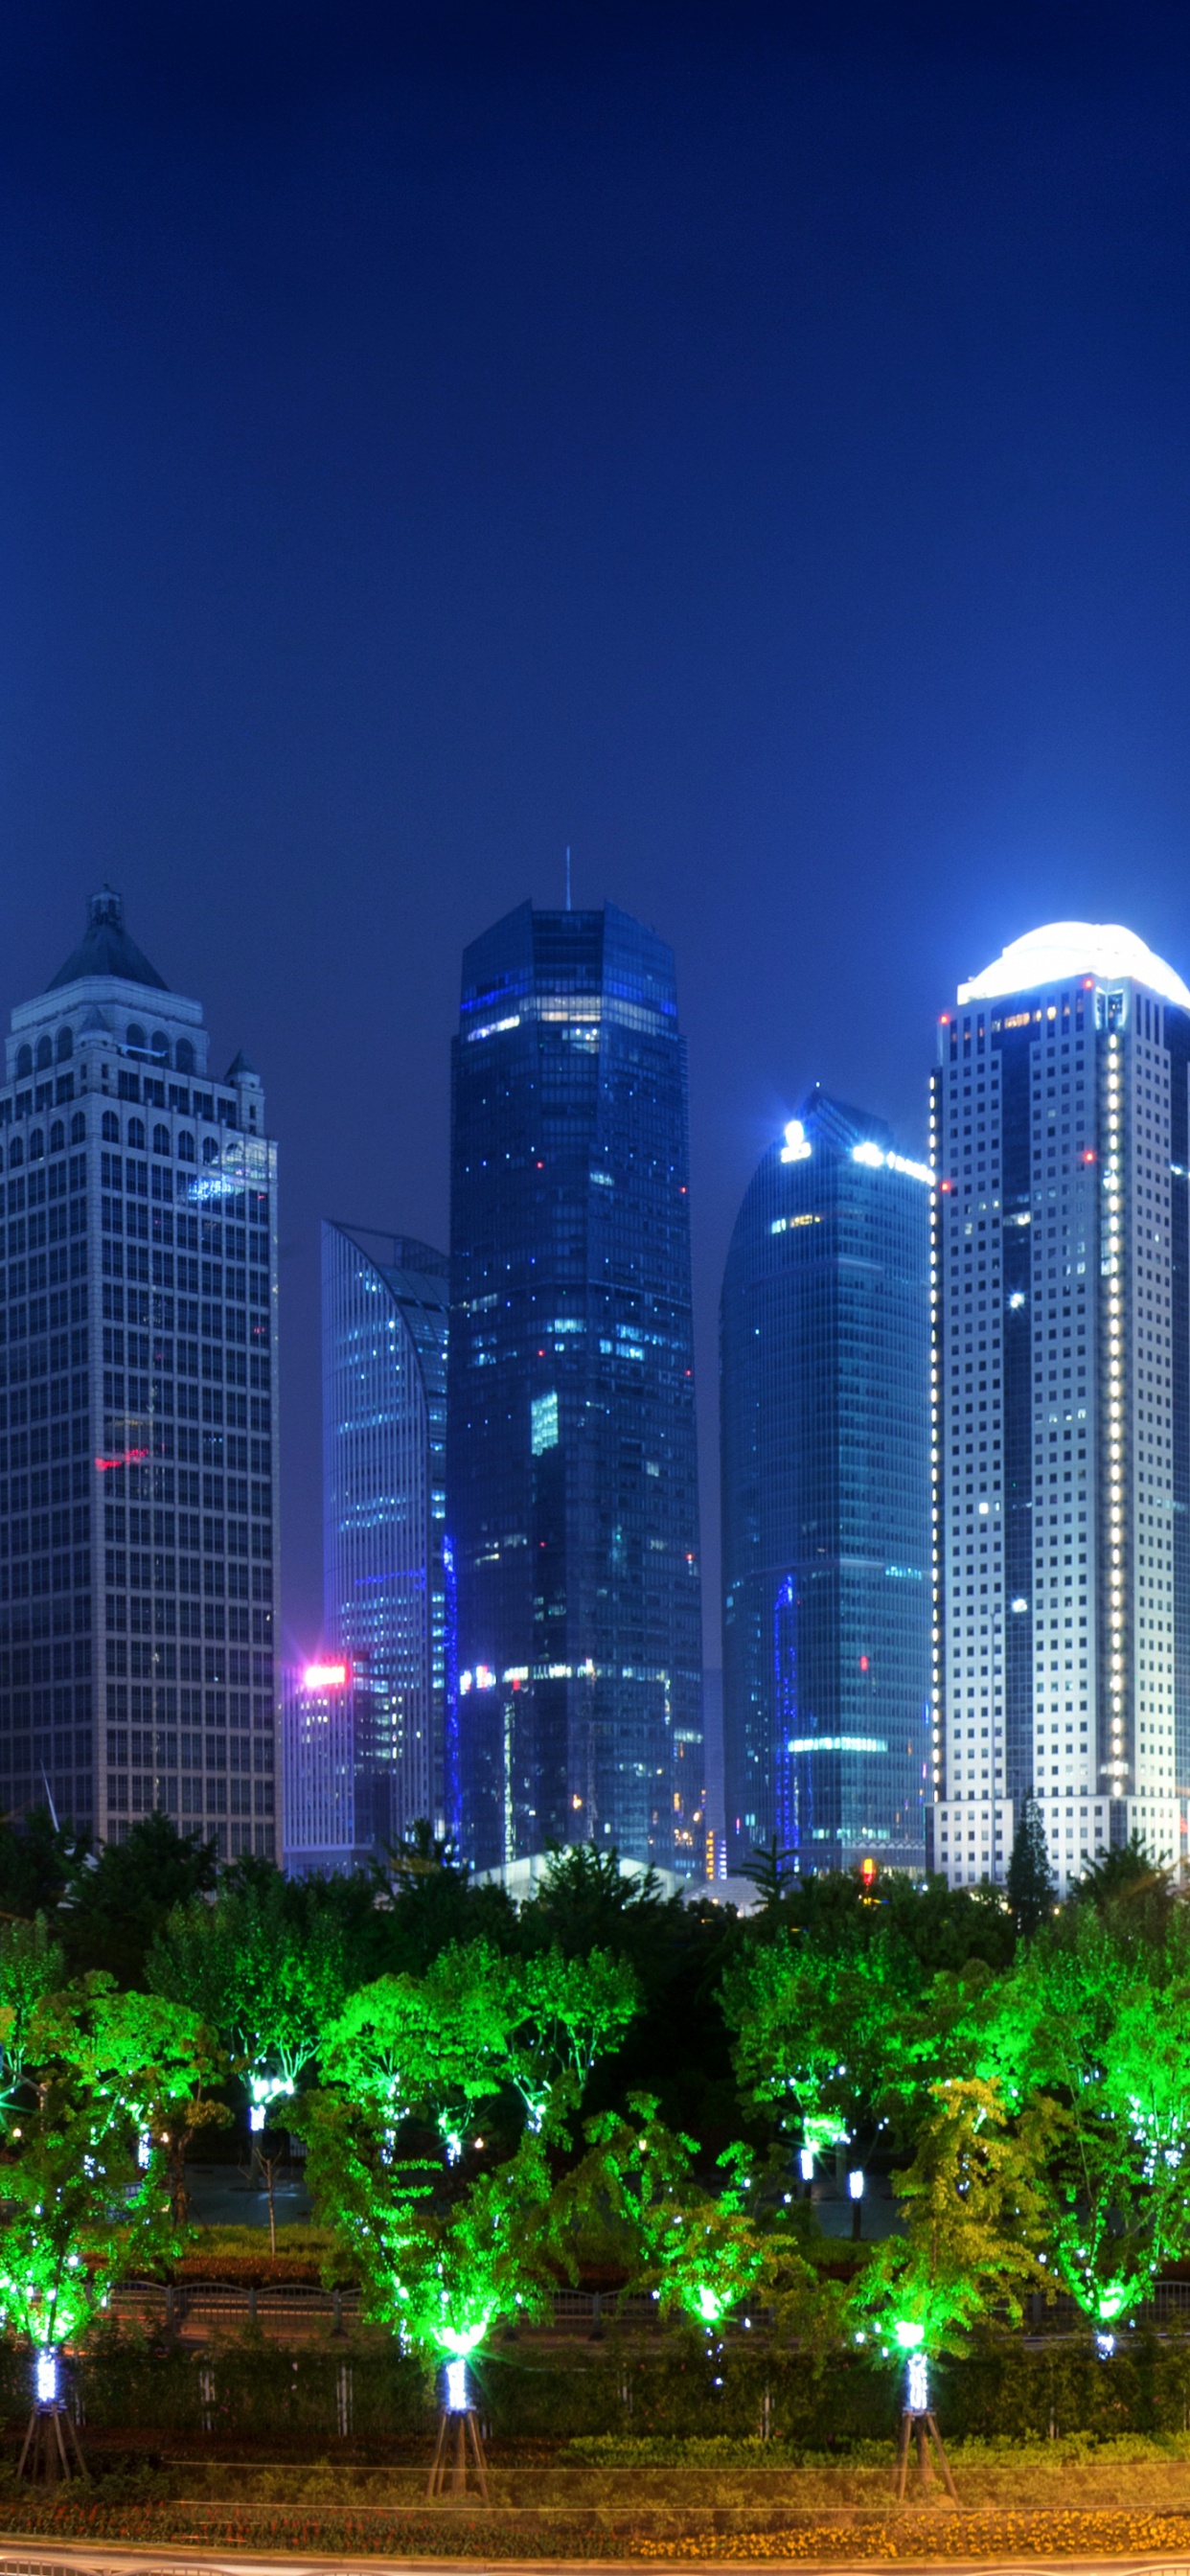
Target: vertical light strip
{"x": 1113, "y": 1271}
{"x": 936, "y": 1417}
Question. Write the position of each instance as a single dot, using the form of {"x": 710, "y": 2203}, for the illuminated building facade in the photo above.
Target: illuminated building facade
{"x": 138, "y": 1449}
{"x": 384, "y": 1340}
{"x": 824, "y": 1363}
{"x": 1062, "y": 1404}
{"x": 335, "y": 1803}
{"x": 571, "y": 1484}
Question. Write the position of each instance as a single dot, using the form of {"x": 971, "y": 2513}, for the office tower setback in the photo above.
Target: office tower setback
{"x": 331, "y": 1780}
{"x": 572, "y": 1500}
{"x": 1062, "y": 1403}
{"x": 138, "y": 1479}
{"x": 824, "y": 1367}
{"x": 384, "y": 1339}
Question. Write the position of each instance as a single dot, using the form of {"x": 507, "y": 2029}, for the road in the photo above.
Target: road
{"x": 76, "y": 2559}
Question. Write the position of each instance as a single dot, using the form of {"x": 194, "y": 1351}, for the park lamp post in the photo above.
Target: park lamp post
{"x": 855, "y": 2187}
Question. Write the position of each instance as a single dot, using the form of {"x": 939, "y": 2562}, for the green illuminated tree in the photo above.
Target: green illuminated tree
{"x": 1097, "y": 2017}
{"x": 448, "y": 2246}
{"x": 975, "y": 2212}
{"x": 268, "y": 1966}
{"x": 425, "y": 2047}
{"x": 697, "y": 2250}
{"x": 85, "y": 2163}
{"x": 814, "y": 2030}
{"x": 440, "y": 2258}
{"x": 561, "y": 2015}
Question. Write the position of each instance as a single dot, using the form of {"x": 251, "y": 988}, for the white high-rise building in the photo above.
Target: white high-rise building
{"x": 1061, "y": 1404}
{"x": 138, "y": 1449}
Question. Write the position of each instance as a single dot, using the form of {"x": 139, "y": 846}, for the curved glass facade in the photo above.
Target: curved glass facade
{"x": 824, "y": 1372}
{"x": 384, "y": 1451}
{"x": 573, "y": 1508}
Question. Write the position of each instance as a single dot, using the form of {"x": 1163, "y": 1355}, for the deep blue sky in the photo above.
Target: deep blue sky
{"x": 747, "y": 443}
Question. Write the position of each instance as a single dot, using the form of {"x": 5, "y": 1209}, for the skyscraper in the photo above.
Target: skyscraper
{"x": 330, "y": 1777}
{"x": 1062, "y": 1403}
{"x": 824, "y": 1366}
{"x": 138, "y": 1478}
{"x": 384, "y": 1337}
{"x": 572, "y": 1499}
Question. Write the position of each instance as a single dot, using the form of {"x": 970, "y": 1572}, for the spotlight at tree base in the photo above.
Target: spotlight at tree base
{"x": 1105, "y": 2345}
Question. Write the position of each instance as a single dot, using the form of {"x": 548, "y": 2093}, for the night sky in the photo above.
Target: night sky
{"x": 749, "y": 444}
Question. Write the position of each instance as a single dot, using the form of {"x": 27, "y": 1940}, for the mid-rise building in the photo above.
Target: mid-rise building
{"x": 335, "y": 1797}
{"x": 571, "y": 1473}
{"x": 824, "y": 1370}
{"x": 1062, "y": 1404}
{"x": 138, "y": 1451}
{"x": 384, "y": 1339}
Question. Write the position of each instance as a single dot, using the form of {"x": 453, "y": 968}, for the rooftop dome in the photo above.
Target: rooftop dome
{"x": 106, "y": 949}
{"x": 1066, "y": 949}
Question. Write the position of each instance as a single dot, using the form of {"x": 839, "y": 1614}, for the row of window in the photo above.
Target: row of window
{"x": 46, "y": 1051}
{"x": 158, "y": 1748}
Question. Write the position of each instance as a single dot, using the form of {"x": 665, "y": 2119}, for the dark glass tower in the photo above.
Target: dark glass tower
{"x": 384, "y": 1330}
{"x": 825, "y": 1373}
{"x": 572, "y": 1505}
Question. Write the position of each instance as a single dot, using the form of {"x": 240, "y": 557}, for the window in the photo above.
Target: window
{"x": 185, "y": 1148}
{"x": 78, "y": 1127}
{"x": 134, "y": 1036}
{"x": 161, "y": 1140}
{"x": 210, "y": 1150}
{"x": 65, "y": 1044}
{"x": 24, "y": 1062}
{"x": 184, "y": 1056}
{"x": 45, "y": 1054}
{"x": 36, "y": 1145}
{"x": 160, "y": 1044}
{"x": 136, "y": 1132}
{"x": 57, "y": 1137}
{"x": 16, "y": 1153}
{"x": 111, "y": 1127}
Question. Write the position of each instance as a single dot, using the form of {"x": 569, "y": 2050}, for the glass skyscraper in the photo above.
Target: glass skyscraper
{"x": 1062, "y": 1403}
{"x": 824, "y": 1376}
{"x": 384, "y": 1338}
{"x": 138, "y": 1435}
{"x": 572, "y": 1498}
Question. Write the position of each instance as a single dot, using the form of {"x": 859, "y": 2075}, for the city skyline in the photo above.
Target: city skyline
{"x": 746, "y": 449}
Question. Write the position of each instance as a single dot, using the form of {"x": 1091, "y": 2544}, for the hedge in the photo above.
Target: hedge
{"x": 248, "y": 2388}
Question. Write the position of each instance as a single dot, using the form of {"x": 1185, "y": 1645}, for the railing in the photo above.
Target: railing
{"x": 175, "y": 2303}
